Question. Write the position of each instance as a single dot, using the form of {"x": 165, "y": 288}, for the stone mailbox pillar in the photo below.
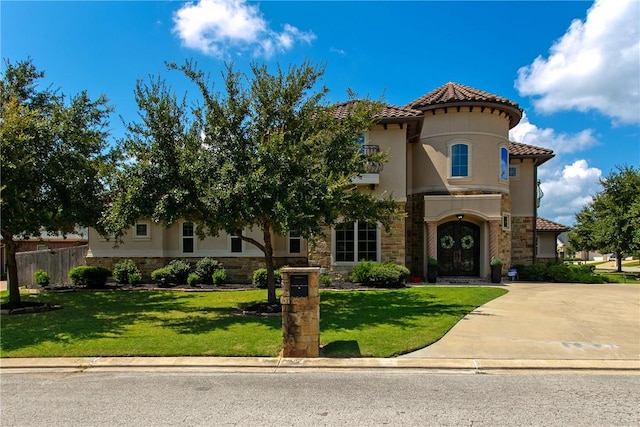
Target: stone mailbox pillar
{"x": 300, "y": 311}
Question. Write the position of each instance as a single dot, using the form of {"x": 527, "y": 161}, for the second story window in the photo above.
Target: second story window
{"x": 504, "y": 164}
{"x": 459, "y": 160}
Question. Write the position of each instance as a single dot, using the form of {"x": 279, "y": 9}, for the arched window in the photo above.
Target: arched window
{"x": 504, "y": 164}
{"x": 459, "y": 160}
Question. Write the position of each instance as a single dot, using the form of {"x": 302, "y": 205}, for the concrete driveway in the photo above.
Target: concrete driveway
{"x": 548, "y": 321}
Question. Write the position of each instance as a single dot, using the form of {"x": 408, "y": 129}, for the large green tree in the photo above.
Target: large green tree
{"x": 52, "y": 160}
{"x": 265, "y": 154}
{"x": 611, "y": 222}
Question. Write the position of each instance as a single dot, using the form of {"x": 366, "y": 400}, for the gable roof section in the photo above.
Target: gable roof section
{"x": 518, "y": 150}
{"x": 456, "y": 95}
{"x": 543, "y": 224}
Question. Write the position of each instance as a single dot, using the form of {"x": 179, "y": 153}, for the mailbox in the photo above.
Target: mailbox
{"x": 299, "y": 285}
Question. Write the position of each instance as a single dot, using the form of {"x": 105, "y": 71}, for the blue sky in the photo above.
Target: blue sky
{"x": 574, "y": 67}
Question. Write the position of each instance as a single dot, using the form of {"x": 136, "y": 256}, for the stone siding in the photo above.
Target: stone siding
{"x": 238, "y": 269}
{"x": 415, "y": 235}
{"x": 522, "y": 243}
{"x": 506, "y": 236}
{"x": 392, "y": 246}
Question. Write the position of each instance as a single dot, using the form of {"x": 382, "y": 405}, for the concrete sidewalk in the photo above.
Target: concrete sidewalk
{"x": 535, "y": 327}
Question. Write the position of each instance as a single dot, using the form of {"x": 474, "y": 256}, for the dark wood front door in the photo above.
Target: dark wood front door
{"x": 458, "y": 249}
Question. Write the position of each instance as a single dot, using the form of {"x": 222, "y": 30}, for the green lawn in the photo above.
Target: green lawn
{"x": 165, "y": 323}
{"x": 624, "y": 277}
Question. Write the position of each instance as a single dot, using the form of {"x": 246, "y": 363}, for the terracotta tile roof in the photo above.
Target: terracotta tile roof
{"x": 388, "y": 111}
{"x": 455, "y": 94}
{"x": 517, "y": 149}
{"x": 546, "y": 225}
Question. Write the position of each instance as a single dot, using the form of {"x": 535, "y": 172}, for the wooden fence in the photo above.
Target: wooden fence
{"x": 56, "y": 262}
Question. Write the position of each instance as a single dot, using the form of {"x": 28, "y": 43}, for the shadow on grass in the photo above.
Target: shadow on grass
{"x": 345, "y": 348}
{"x": 108, "y": 314}
{"x": 353, "y": 310}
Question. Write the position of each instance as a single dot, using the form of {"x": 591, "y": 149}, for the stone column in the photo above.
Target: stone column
{"x": 494, "y": 239}
{"x": 432, "y": 239}
{"x": 300, "y": 312}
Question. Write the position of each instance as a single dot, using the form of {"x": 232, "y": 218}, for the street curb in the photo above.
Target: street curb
{"x": 284, "y": 365}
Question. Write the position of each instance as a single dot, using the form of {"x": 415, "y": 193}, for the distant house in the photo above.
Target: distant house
{"x": 47, "y": 242}
{"x": 469, "y": 194}
{"x": 547, "y": 239}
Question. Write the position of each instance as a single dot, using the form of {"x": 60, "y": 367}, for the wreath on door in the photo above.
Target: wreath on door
{"x": 446, "y": 242}
{"x": 467, "y": 242}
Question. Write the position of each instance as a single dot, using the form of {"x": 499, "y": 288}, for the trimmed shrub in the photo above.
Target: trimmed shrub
{"x": 403, "y": 271}
{"x": 180, "y": 270}
{"x": 362, "y": 271}
{"x": 376, "y": 274}
{"x": 193, "y": 279}
{"x": 122, "y": 270}
{"x": 91, "y": 277}
{"x": 534, "y": 273}
{"x": 558, "y": 272}
{"x": 41, "y": 277}
{"x": 205, "y": 268}
{"x": 384, "y": 275}
{"x": 163, "y": 275}
{"x": 260, "y": 277}
{"x": 134, "y": 278}
{"x": 219, "y": 276}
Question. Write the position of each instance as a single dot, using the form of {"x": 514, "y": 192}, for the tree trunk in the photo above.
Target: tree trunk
{"x": 268, "y": 257}
{"x": 12, "y": 270}
{"x": 619, "y": 262}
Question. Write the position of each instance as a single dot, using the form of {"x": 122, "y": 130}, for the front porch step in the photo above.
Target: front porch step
{"x": 462, "y": 280}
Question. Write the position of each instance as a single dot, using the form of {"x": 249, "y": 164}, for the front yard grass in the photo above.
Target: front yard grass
{"x": 380, "y": 323}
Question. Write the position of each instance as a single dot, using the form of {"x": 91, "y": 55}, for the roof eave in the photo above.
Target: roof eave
{"x": 514, "y": 113}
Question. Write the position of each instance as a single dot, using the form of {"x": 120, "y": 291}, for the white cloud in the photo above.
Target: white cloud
{"x": 340, "y": 52}
{"x": 594, "y": 66}
{"x": 216, "y": 27}
{"x": 563, "y": 143}
{"x": 567, "y": 190}
{"x": 567, "y": 187}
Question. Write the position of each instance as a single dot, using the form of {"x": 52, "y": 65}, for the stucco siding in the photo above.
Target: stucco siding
{"x": 483, "y": 132}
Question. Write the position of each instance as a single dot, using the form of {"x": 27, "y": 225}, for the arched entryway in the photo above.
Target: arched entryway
{"x": 458, "y": 249}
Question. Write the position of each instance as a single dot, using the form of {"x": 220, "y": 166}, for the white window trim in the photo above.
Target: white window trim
{"x": 137, "y": 236}
{"x": 517, "y": 175}
{"x": 450, "y": 159}
{"x": 355, "y": 252}
{"x": 242, "y": 245}
{"x": 182, "y": 237}
{"x": 506, "y": 216}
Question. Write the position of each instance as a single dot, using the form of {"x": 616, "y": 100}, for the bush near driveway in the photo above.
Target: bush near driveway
{"x": 559, "y": 273}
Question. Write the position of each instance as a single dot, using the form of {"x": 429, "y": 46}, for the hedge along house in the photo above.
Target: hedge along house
{"x": 469, "y": 194}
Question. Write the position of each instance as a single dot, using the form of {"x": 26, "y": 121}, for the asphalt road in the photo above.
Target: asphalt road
{"x": 310, "y": 399}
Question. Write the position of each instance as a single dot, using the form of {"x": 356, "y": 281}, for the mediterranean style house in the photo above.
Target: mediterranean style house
{"x": 469, "y": 195}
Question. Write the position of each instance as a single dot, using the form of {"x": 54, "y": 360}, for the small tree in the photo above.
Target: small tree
{"x": 267, "y": 154}
{"x": 52, "y": 161}
{"x": 611, "y": 222}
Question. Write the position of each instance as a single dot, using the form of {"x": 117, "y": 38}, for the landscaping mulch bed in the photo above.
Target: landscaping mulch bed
{"x": 26, "y": 307}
